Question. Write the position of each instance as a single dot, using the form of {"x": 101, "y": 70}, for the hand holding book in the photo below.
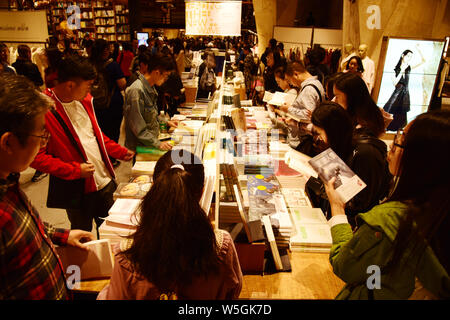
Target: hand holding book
{"x": 336, "y": 203}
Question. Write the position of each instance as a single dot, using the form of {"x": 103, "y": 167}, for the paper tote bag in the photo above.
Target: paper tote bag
{"x": 65, "y": 194}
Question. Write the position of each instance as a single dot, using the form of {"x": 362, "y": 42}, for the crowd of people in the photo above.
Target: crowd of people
{"x": 71, "y": 130}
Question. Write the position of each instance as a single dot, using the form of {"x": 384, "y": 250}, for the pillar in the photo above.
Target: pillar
{"x": 265, "y": 18}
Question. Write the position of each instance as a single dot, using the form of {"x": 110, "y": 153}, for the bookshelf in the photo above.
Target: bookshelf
{"x": 103, "y": 19}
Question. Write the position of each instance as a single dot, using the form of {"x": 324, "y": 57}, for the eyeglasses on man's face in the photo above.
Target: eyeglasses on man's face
{"x": 44, "y": 138}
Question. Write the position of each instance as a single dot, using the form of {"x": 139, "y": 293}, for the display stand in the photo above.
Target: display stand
{"x": 311, "y": 276}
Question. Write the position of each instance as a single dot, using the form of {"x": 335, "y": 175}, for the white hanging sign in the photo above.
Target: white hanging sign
{"x": 23, "y": 26}
{"x": 213, "y": 18}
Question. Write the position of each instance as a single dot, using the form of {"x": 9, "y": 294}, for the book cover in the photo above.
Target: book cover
{"x": 95, "y": 263}
{"x": 125, "y": 206}
{"x": 328, "y": 165}
{"x": 307, "y": 215}
{"x": 312, "y": 235}
{"x": 295, "y": 197}
{"x": 264, "y": 185}
{"x": 260, "y": 205}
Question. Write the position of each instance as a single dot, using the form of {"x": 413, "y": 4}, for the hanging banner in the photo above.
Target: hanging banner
{"x": 213, "y": 18}
{"x": 23, "y": 26}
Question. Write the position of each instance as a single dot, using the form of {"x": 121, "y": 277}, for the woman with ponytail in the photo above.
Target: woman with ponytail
{"x": 175, "y": 252}
{"x": 407, "y": 237}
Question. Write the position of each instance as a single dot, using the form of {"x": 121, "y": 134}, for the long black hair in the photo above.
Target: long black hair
{"x": 338, "y": 127}
{"x": 360, "y": 104}
{"x": 175, "y": 240}
{"x": 399, "y": 63}
{"x": 424, "y": 184}
{"x": 358, "y": 62}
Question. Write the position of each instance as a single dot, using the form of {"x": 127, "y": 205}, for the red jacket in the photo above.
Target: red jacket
{"x": 61, "y": 159}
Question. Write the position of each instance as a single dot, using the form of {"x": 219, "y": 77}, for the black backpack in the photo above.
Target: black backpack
{"x": 100, "y": 89}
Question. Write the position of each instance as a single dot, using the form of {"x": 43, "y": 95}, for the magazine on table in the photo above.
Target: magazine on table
{"x": 329, "y": 165}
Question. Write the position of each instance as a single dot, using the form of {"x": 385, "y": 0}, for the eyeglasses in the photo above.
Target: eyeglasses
{"x": 44, "y": 138}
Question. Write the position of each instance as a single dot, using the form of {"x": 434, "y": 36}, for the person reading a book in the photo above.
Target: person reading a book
{"x": 352, "y": 94}
{"x": 141, "y": 109}
{"x": 175, "y": 251}
{"x": 407, "y": 237}
{"x": 280, "y": 77}
{"x": 311, "y": 94}
{"x": 29, "y": 265}
{"x": 364, "y": 154}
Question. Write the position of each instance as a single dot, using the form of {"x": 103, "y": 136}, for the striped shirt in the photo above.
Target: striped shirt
{"x": 30, "y": 268}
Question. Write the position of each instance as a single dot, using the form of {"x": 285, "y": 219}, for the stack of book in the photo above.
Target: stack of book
{"x": 265, "y": 199}
{"x": 278, "y": 149}
{"x": 282, "y": 223}
{"x": 143, "y": 167}
{"x": 313, "y": 232}
{"x": 122, "y": 220}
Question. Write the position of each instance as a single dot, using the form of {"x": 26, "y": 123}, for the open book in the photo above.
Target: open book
{"x": 95, "y": 263}
{"x": 300, "y": 162}
{"x": 279, "y": 98}
{"x": 328, "y": 165}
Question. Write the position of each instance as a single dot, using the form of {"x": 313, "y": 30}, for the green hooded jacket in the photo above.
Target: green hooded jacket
{"x": 352, "y": 254}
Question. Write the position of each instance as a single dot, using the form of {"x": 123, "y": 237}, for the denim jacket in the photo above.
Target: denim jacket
{"x": 141, "y": 115}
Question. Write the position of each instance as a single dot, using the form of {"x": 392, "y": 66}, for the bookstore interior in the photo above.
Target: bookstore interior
{"x": 271, "y": 147}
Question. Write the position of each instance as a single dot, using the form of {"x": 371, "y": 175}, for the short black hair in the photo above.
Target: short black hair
{"x": 157, "y": 62}
{"x": 293, "y": 66}
{"x": 20, "y": 103}
{"x": 75, "y": 67}
{"x": 273, "y": 43}
{"x": 23, "y": 50}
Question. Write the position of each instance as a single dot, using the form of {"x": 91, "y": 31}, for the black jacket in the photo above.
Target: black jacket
{"x": 30, "y": 70}
{"x": 369, "y": 162}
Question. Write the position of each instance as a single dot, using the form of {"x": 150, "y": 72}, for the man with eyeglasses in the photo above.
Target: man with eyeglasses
{"x": 77, "y": 150}
{"x": 29, "y": 265}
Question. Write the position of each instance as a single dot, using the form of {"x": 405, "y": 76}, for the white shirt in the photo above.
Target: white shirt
{"x": 83, "y": 127}
{"x": 369, "y": 72}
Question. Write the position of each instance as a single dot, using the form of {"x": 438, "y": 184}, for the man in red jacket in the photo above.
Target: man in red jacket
{"x": 77, "y": 148}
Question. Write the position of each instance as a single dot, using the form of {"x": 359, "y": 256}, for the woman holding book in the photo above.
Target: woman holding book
{"x": 406, "y": 238}
{"x": 350, "y": 91}
{"x": 363, "y": 153}
{"x": 175, "y": 252}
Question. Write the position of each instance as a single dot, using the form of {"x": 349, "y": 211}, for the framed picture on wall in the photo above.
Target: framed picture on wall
{"x": 406, "y": 79}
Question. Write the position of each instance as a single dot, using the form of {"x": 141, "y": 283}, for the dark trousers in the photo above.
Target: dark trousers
{"x": 95, "y": 206}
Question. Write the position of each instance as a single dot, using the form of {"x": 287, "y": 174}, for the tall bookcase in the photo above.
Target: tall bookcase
{"x": 103, "y": 19}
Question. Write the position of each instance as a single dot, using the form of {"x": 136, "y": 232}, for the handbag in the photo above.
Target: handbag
{"x": 66, "y": 194}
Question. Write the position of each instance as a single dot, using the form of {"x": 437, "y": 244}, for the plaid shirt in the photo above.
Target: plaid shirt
{"x": 29, "y": 265}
